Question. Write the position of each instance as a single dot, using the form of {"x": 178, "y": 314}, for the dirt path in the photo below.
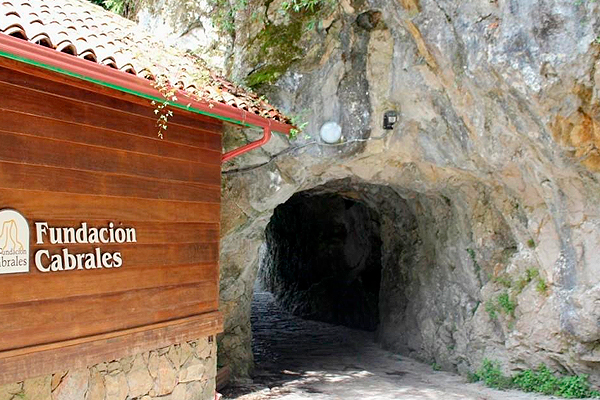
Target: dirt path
{"x": 299, "y": 360}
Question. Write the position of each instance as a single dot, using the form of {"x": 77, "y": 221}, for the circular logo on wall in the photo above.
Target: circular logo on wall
{"x": 14, "y": 242}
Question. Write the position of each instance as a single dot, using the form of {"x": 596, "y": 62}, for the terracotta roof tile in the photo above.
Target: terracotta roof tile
{"x": 87, "y": 31}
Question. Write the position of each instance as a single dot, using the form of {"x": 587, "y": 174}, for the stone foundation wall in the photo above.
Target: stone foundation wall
{"x": 179, "y": 372}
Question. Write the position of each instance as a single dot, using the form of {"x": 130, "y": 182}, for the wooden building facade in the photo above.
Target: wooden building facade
{"x": 69, "y": 155}
{"x": 123, "y": 225}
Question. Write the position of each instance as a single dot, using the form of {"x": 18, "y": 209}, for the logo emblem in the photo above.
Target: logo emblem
{"x": 14, "y": 243}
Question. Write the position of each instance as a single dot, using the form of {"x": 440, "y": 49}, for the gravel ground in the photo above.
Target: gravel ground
{"x": 298, "y": 359}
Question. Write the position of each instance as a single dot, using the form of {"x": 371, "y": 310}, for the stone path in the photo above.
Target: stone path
{"x": 298, "y": 360}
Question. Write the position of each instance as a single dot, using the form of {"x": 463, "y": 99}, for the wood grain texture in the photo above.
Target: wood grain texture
{"x": 73, "y": 152}
{"x": 40, "y": 205}
{"x": 71, "y": 83}
{"x": 42, "y": 287}
{"x": 78, "y": 353}
{"x": 57, "y": 179}
{"x": 33, "y": 150}
{"x": 62, "y": 319}
{"x": 97, "y": 98}
{"x": 42, "y": 104}
{"x": 83, "y": 134}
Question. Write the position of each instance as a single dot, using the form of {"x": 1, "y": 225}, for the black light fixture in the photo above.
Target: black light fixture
{"x": 389, "y": 119}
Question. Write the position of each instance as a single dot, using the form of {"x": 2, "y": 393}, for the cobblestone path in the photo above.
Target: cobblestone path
{"x": 298, "y": 360}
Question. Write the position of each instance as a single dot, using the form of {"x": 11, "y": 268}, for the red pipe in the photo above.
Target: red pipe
{"x": 102, "y": 74}
{"x": 250, "y": 146}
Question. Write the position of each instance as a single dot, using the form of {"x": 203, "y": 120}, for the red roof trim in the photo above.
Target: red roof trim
{"x": 101, "y": 73}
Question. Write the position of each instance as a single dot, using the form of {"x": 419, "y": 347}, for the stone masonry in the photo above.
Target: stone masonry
{"x": 183, "y": 371}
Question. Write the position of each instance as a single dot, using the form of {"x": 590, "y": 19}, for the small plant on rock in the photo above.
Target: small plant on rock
{"x": 542, "y": 287}
{"x": 506, "y": 304}
{"x": 126, "y": 8}
{"x": 300, "y": 123}
{"x": 520, "y": 285}
{"x": 491, "y": 375}
{"x": 540, "y": 380}
{"x": 575, "y": 387}
{"x": 491, "y": 309}
{"x": 532, "y": 273}
{"x": 305, "y": 5}
{"x": 472, "y": 255}
{"x": 504, "y": 280}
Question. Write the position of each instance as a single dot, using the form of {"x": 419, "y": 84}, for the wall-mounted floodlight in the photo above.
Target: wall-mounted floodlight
{"x": 331, "y": 132}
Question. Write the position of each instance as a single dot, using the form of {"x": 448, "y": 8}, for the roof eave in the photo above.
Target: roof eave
{"x": 66, "y": 64}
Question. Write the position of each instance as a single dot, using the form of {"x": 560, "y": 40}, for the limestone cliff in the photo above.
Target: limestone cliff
{"x": 487, "y": 186}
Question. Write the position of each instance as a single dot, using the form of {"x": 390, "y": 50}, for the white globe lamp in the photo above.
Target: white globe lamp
{"x": 331, "y": 132}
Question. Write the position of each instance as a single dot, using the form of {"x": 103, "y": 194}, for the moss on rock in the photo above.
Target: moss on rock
{"x": 277, "y": 46}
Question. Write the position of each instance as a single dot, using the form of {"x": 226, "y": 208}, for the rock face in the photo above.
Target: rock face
{"x": 486, "y": 189}
{"x": 186, "y": 25}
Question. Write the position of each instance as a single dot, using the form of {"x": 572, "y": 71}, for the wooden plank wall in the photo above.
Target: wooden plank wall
{"x": 72, "y": 152}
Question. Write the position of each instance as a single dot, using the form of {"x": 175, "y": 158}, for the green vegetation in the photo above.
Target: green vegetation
{"x": 475, "y": 263}
{"x": 299, "y": 121}
{"x": 279, "y": 45}
{"x": 541, "y": 287}
{"x": 540, "y": 380}
{"x": 506, "y": 301}
{"x": 511, "y": 325}
{"x": 491, "y": 309}
{"x": 503, "y": 304}
{"x": 491, "y": 375}
{"x": 506, "y": 304}
{"x": 531, "y": 243}
{"x": 530, "y": 275}
{"x": 306, "y": 5}
{"x": 276, "y": 46}
{"x": 471, "y": 253}
{"x": 504, "y": 280}
{"x": 125, "y": 8}
{"x": 223, "y": 13}
{"x": 521, "y": 284}
{"x": 436, "y": 367}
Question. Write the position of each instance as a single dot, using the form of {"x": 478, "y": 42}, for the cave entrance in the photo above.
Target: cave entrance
{"x": 322, "y": 259}
{"x": 332, "y": 280}
{"x": 316, "y": 300}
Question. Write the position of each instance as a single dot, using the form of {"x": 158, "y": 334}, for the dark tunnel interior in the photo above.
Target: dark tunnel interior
{"x": 323, "y": 259}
